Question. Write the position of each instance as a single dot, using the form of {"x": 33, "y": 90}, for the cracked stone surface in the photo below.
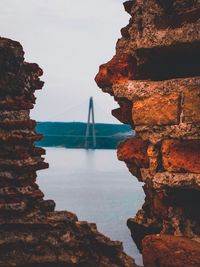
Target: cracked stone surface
{"x": 155, "y": 78}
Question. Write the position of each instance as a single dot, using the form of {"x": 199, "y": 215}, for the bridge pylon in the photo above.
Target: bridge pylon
{"x": 87, "y": 135}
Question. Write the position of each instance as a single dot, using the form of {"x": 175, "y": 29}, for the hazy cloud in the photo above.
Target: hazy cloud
{"x": 69, "y": 40}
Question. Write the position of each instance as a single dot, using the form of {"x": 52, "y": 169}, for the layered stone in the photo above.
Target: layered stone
{"x": 163, "y": 41}
{"x": 31, "y": 232}
{"x": 157, "y": 23}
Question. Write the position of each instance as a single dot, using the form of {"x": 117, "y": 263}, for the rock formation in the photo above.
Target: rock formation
{"x": 31, "y": 232}
{"x": 155, "y": 78}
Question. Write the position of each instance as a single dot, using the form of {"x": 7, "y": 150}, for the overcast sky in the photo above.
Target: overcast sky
{"x": 69, "y": 40}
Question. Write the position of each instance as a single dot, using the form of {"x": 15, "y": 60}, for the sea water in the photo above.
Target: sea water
{"x": 97, "y": 187}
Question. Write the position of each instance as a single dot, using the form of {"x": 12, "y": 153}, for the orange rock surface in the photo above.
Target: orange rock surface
{"x": 163, "y": 87}
{"x": 157, "y": 110}
{"x": 134, "y": 151}
{"x": 181, "y": 155}
{"x": 170, "y": 251}
{"x": 118, "y": 70}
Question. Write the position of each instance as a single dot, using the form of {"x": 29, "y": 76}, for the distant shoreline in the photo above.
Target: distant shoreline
{"x": 72, "y": 134}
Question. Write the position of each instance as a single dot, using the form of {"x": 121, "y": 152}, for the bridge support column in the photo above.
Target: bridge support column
{"x": 87, "y": 135}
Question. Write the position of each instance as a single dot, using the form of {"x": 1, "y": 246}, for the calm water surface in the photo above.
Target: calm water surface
{"x": 97, "y": 187}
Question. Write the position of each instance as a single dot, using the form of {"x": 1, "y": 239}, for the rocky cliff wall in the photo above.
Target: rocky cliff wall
{"x": 31, "y": 232}
{"x": 155, "y": 78}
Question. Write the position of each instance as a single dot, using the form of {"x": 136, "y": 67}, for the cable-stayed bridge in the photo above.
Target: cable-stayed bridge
{"x": 88, "y": 135}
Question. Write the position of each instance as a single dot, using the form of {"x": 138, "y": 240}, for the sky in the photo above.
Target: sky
{"x": 69, "y": 40}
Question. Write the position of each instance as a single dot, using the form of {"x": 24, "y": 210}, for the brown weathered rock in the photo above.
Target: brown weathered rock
{"x": 157, "y": 110}
{"x": 170, "y": 251}
{"x": 118, "y": 70}
{"x": 181, "y": 156}
{"x": 163, "y": 40}
{"x": 164, "y": 180}
{"x": 31, "y": 232}
{"x": 134, "y": 151}
{"x": 124, "y": 113}
{"x": 191, "y": 105}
